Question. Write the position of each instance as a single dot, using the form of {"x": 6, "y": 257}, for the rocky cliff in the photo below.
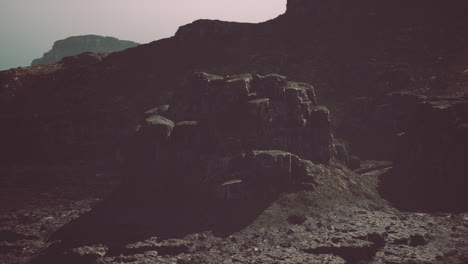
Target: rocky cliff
{"x": 80, "y": 44}
{"x": 353, "y": 53}
{"x": 244, "y": 132}
{"x": 229, "y": 167}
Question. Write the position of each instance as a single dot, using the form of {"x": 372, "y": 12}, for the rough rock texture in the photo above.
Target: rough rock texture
{"x": 79, "y": 44}
{"x": 327, "y": 225}
{"x": 271, "y": 204}
{"x": 247, "y": 135}
{"x": 346, "y": 49}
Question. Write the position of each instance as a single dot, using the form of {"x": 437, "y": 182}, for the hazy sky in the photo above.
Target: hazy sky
{"x": 28, "y": 28}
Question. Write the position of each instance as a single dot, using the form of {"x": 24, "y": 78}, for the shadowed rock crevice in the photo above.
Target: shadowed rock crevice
{"x": 239, "y": 137}
{"x": 429, "y": 170}
{"x": 348, "y": 49}
{"x": 243, "y": 168}
{"x": 352, "y": 252}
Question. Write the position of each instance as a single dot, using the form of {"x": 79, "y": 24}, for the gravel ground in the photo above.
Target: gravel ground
{"x": 342, "y": 220}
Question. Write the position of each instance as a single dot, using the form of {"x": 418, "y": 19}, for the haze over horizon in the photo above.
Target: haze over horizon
{"x": 29, "y": 28}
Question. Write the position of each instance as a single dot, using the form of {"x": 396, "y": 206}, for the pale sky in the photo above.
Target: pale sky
{"x": 28, "y": 28}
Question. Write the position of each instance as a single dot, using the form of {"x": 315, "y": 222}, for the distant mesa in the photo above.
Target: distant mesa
{"x": 79, "y": 44}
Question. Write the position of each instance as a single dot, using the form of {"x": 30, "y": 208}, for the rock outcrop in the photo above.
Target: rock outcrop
{"x": 80, "y": 44}
{"x": 203, "y": 29}
{"x": 424, "y": 136}
{"x": 348, "y": 49}
{"x": 198, "y": 164}
{"x": 242, "y": 136}
{"x": 430, "y": 160}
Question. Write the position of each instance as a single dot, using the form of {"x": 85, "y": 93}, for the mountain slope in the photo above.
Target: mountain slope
{"x": 345, "y": 50}
{"x": 79, "y": 44}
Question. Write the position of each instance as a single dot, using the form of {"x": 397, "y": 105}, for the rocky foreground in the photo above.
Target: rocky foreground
{"x": 131, "y": 158}
{"x": 333, "y": 224}
{"x": 243, "y": 169}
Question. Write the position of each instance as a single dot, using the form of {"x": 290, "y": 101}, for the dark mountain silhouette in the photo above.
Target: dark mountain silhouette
{"x": 354, "y": 53}
{"x": 345, "y": 49}
{"x": 223, "y": 162}
{"x": 79, "y": 44}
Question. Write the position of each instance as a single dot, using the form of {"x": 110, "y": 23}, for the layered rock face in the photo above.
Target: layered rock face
{"x": 430, "y": 159}
{"x": 246, "y": 134}
{"x": 79, "y": 44}
{"x": 347, "y": 48}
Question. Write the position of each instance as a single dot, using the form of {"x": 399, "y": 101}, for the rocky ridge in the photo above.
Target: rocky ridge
{"x": 344, "y": 57}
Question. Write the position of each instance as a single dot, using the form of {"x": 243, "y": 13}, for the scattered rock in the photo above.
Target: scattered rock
{"x": 351, "y": 252}
{"x": 403, "y": 254}
{"x": 171, "y": 247}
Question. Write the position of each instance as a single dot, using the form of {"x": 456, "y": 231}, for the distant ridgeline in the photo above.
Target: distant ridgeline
{"x": 79, "y": 44}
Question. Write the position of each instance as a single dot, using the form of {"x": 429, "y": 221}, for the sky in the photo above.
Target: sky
{"x": 28, "y": 28}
